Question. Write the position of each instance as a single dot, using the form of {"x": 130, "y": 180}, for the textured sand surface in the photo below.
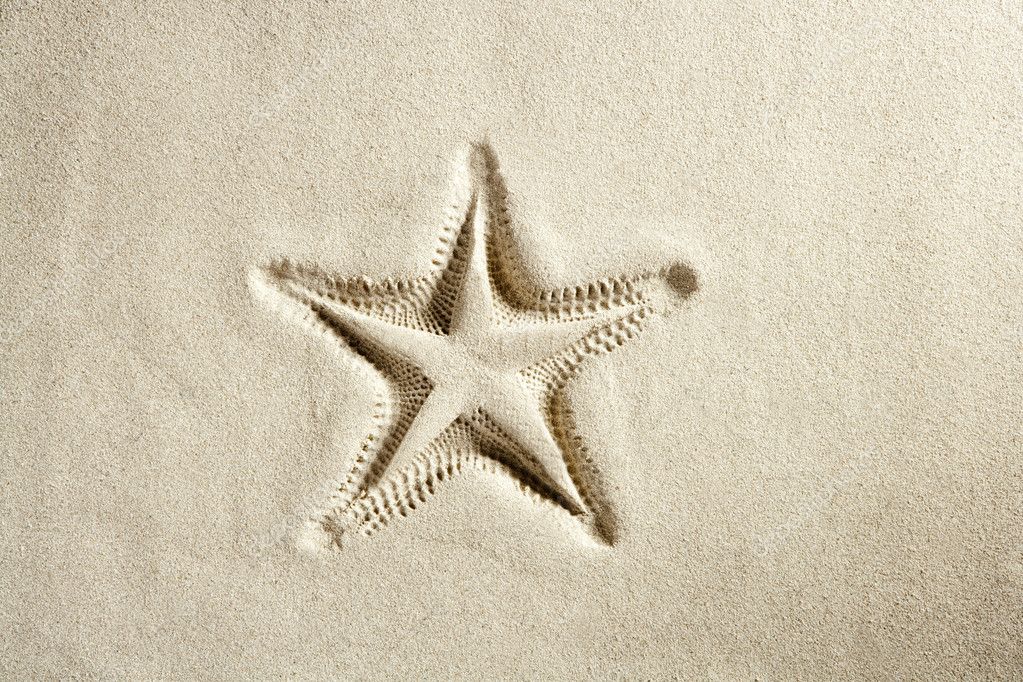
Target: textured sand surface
{"x": 798, "y": 227}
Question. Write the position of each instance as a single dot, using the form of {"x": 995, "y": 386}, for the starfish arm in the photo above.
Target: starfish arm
{"x": 472, "y": 312}
{"x": 354, "y": 325}
{"x": 536, "y": 341}
{"x": 553, "y": 372}
{"x": 394, "y": 479}
{"x": 423, "y": 303}
{"x": 518, "y": 419}
{"x": 455, "y": 256}
{"x": 510, "y": 438}
{"x": 585, "y": 476}
{"x": 415, "y": 464}
{"x": 412, "y": 345}
{"x": 464, "y": 290}
{"x": 515, "y": 294}
{"x": 398, "y": 302}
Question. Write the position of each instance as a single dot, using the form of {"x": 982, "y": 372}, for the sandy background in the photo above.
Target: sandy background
{"x": 815, "y": 463}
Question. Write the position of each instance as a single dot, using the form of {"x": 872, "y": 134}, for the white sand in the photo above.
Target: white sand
{"x": 809, "y": 456}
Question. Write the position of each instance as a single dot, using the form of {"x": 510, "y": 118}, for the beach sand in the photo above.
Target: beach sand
{"x": 508, "y": 340}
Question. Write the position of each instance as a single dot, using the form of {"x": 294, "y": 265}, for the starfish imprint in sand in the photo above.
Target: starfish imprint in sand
{"x": 469, "y": 363}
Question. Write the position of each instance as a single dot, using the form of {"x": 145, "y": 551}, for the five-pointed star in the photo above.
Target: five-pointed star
{"x": 473, "y": 360}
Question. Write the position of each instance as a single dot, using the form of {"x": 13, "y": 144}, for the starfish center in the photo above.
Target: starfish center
{"x": 475, "y": 364}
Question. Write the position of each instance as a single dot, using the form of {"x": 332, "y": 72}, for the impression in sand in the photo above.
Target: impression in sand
{"x": 469, "y": 363}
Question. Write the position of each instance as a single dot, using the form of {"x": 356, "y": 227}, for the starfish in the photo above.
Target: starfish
{"x": 470, "y": 363}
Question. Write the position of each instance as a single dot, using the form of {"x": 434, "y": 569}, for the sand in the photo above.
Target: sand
{"x": 509, "y": 341}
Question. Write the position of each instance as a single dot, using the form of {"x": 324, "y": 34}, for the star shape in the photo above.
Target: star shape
{"x": 469, "y": 363}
